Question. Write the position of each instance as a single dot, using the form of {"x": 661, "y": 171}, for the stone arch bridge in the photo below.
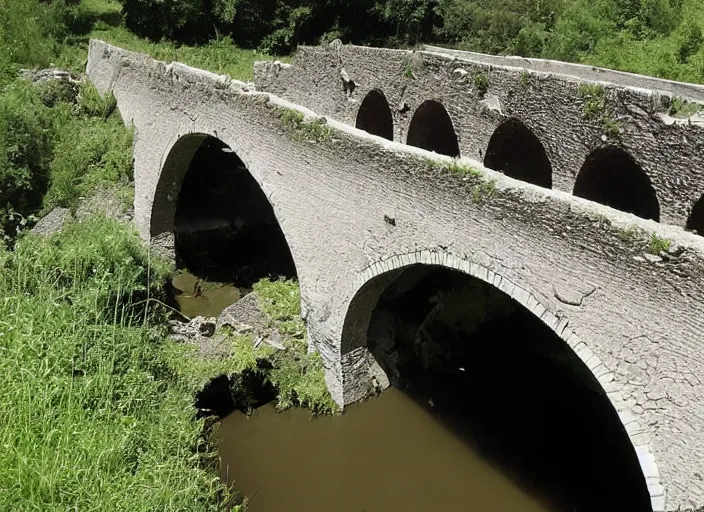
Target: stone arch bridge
{"x": 584, "y": 221}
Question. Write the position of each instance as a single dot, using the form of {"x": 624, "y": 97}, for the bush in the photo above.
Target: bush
{"x": 26, "y": 132}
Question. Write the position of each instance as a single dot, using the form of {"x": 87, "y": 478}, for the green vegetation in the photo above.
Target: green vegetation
{"x": 654, "y": 37}
{"x": 96, "y": 415}
{"x": 683, "y": 108}
{"x": 298, "y": 377}
{"x": 316, "y": 130}
{"x": 407, "y": 67}
{"x": 53, "y": 151}
{"x": 594, "y": 100}
{"x": 483, "y": 190}
{"x": 525, "y": 79}
{"x": 457, "y": 167}
{"x": 595, "y": 108}
{"x": 658, "y": 244}
{"x": 481, "y": 83}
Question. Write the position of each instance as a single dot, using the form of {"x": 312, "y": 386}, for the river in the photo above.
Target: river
{"x": 389, "y": 453}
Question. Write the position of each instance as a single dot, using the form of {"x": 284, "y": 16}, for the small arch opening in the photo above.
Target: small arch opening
{"x": 516, "y": 151}
{"x": 374, "y": 115}
{"x": 501, "y": 381}
{"x": 431, "y": 129}
{"x": 225, "y": 229}
{"x": 611, "y": 177}
{"x": 695, "y": 222}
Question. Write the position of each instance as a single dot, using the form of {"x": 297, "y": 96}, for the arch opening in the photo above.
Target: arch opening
{"x": 611, "y": 177}
{"x": 516, "y": 151}
{"x": 224, "y": 227}
{"x": 502, "y": 381}
{"x": 431, "y": 129}
{"x": 374, "y": 115}
{"x": 695, "y": 222}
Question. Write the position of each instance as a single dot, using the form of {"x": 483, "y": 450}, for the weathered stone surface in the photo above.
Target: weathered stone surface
{"x": 330, "y": 198}
{"x": 543, "y": 95}
{"x": 52, "y": 222}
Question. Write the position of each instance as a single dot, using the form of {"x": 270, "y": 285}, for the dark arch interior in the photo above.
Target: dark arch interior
{"x": 517, "y": 152}
{"x": 610, "y": 176}
{"x": 375, "y": 117}
{"x": 225, "y": 227}
{"x": 696, "y": 218}
{"x": 431, "y": 129}
{"x": 504, "y": 382}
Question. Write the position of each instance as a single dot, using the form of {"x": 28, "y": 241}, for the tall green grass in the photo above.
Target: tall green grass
{"x": 94, "y": 413}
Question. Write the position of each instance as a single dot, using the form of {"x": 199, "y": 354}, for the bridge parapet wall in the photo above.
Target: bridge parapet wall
{"x": 583, "y": 268}
{"x": 560, "y": 109}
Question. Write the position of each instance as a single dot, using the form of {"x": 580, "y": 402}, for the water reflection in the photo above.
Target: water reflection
{"x": 387, "y": 454}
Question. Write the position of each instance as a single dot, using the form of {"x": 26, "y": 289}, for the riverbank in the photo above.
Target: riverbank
{"x": 94, "y": 414}
{"x": 98, "y": 401}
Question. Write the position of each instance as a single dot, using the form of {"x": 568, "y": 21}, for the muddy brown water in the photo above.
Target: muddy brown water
{"x": 195, "y": 296}
{"x": 386, "y": 454}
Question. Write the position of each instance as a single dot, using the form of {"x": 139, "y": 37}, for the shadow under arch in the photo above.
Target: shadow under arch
{"x": 215, "y": 217}
{"x": 695, "y": 221}
{"x": 507, "y": 382}
{"x": 516, "y": 151}
{"x": 612, "y": 177}
{"x": 431, "y": 129}
{"x": 374, "y": 115}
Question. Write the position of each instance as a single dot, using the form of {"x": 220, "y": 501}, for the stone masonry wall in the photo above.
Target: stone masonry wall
{"x": 550, "y": 104}
{"x": 584, "y": 269}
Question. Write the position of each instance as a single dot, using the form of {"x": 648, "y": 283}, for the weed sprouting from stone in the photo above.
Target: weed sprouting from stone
{"x": 483, "y": 190}
{"x": 407, "y": 67}
{"x": 594, "y": 108}
{"x": 595, "y": 100}
{"x": 458, "y": 167}
{"x": 658, "y": 244}
{"x": 299, "y": 377}
{"x": 610, "y": 127}
{"x": 316, "y": 130}
{"x": 481, "y": 83}
{"x": 525, "y": 79}
{"x": 682, "y": 108}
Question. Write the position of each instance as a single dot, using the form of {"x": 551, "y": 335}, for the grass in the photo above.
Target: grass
{"x": 294, "y": 121}
{"x": 96, "y": 413}
{"x": 595, "y": 101}
{"x": 658, "y": 244}
{"x": 681, "y": 108}
{"x": 481, "y": 83}
{"x": 407, "y": 68}
{"x": 298, "y": 376}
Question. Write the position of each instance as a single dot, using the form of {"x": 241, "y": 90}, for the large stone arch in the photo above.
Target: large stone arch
{"x": 431, "y": 129}
{"x": 359, "y": 366}
{"x": 173, "y": 168}
{"x": 612, "y": 177}
{"x": 516, "y": 151}
{"x": 374, "y": 115}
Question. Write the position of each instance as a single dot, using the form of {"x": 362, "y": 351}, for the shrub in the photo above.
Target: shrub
{"x": 26, "y": 131}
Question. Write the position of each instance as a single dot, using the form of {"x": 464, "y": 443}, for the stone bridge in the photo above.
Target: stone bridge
{"x": 583, "y": 221}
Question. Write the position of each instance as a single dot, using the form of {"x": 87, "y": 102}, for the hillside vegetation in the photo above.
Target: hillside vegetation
{"x": 656, "y": 37}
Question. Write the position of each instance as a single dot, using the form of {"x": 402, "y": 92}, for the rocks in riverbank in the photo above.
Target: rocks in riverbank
{"x": 53, "y": 222}
{"x": 243, "y": 317}
{"x": 105, "y": 202}
{"x": 55, "y": 84}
